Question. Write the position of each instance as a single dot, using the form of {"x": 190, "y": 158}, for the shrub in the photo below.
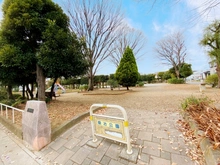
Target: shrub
{"x": 140, "y": 84}
{"x": 3, "y": 94}
{"x": 176, "y": 81}
{"x": 212, "y": 79}
{"x": 83, "y": 87}
{"x": 113, "y": 83}
{"x": 193, "y": 101}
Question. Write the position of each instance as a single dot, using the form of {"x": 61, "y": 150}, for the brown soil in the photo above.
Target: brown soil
{"x": 163, "y": 97}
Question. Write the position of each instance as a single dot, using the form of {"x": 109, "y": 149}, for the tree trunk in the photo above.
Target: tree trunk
{"x": 91, "y": 80}
{"x": 9, "y": 92}
{"x": 29, "y": 92}
{"x": 41, "y": 83}
{"x": 52, "y": 88}
{"x": 218, "y": 73}
{"x": 177, "y": 72}
{"x": 127, "y": 88}
{"x": 23, "y": 91}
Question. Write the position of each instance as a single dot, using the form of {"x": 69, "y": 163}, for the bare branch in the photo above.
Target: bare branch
{"x": 96, "y": 22}
{"x": 128, "y": 37}
{"x": 172, "y": 51}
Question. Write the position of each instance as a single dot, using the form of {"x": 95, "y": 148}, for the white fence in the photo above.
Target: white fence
{"x": 7, "y": 107}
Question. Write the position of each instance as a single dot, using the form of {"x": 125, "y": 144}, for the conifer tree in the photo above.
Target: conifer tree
{"x": 127, "y": 71}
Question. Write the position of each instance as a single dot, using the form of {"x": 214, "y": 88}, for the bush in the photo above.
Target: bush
{"x": 83, "y": 87}
{"x": 212, "y": 79}
{"x": 113, "y": 83}
{"x": 3, "y": 94}
{"x": 176, "y": 81}
{"x": 140, "y": 84}
{"x": 193, "y": 101}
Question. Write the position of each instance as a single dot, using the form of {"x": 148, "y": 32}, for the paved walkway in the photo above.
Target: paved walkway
{"x": 154, "y": 137}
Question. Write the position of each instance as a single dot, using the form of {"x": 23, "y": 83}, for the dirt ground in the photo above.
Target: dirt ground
{"x": 152, "y": 97}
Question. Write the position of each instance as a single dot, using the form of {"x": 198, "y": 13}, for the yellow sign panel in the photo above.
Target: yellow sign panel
{"x": 110, "y": 128}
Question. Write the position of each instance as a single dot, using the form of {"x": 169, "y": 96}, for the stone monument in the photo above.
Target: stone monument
{"x": 36, "y": 125}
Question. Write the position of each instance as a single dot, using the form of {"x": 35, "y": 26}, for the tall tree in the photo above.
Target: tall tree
{"x": 127, "y": 71}
{"x": 61, "y": 54}
{"x": 26, "y": 28}
{"x": 211, "y": 39}
{"x": 96, "y": 22}
{"x": 128, "y": 37}
{"x": 171, "y": 51}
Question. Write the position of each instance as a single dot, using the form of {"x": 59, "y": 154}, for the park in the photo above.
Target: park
{"x": 65, "y": 66}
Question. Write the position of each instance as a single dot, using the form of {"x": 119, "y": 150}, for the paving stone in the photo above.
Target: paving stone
{"x": 61, "y": 149}
{"x": 72, "y": 143}
{"x": 78, "y": 133}
{"x": 165, "y": 155}
{"x": 180, "y": 159}
{"x": 80, "y": 155}
{"x": 84, "y": 140}
{"x": 15, "y": 155}
{"x": 75, "y": 149}
{"x": 138, "y": 142}
{"x": 134, "y": 133}
{"x": 52, "y": 155}
{"x": 145, "y": 135}
{"x": 96, "y": 154}
{"x": 123, "y": 161}
{"x": 69, "y": 162}
{"x": 144, "y": 157}
{"x": 58, "y": 143}
{"x": 114, "y": 151}
{"x": 94, "y": 163}
{"x": 64, "y": 156}
{"x": 86, "y": 161}
{"x": 90, "y": 143}
{"x": 151, "y": 148}
{"x": 158, "y": 161}
{"x": 156, "y": 140}
{"x": 130, "y": 157}
{"x": 160, "y": 134}
{"x": 105, "y": 160}
{"x": 66, "y": 135}
{"x": 114, "y": 162}
{"x": 170, "y": 147}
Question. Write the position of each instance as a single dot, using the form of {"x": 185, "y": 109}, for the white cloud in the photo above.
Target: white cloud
{"x": 156, "y": 27}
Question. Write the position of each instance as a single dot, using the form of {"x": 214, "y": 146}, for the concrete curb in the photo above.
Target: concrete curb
{"x": 65, "y": 126}
{"x": 54, "y": 134}
{"x": 211, "y": 155}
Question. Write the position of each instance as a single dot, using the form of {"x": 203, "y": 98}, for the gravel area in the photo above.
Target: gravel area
{"x": 152, "y": 97}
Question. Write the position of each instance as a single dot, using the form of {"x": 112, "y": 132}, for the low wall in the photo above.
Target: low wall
{"x": 11, "y": 126}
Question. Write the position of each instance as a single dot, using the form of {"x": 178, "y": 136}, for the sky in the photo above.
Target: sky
{"x": 159, "y": 20}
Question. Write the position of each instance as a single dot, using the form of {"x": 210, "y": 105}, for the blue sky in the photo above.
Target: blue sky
{"x": 156, "y": 22}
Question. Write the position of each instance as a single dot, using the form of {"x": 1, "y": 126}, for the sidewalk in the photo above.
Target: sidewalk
{"x": 154, "y": 136}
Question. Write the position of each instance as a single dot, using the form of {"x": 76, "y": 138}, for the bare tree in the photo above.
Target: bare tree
{"x": 128, "y": 37}
{"x": 172, "y": 51}
{"x": 96, "y": 22}
{"x": 199, "y": 12}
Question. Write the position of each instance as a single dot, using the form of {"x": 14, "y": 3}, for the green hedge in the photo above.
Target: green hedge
{"x": 212, "y": 79}
{"x": 176, "y": 81}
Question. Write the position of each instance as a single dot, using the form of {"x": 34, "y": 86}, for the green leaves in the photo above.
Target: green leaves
{"x": 127, "y": 71}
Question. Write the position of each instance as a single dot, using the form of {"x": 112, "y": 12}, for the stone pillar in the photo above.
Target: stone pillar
{"x": 36, "y": 125}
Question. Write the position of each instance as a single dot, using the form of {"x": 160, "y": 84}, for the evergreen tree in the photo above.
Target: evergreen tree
{"x": 127, "y": 71}
{"x": 40, "y": 42}
{"x": 211, "y": 40}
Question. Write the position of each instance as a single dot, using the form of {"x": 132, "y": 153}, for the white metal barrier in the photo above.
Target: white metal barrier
{"x": 111, "y": 127}
{"x": 6, "y": 111}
